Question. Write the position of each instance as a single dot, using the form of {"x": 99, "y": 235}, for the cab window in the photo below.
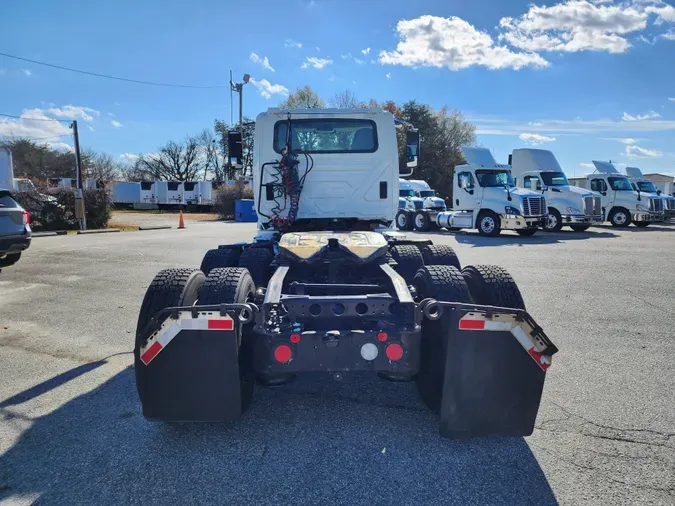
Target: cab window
{"x": 598, "y": 185}
{"x": 465, "y": 180}
{"x": 532, "y": 183}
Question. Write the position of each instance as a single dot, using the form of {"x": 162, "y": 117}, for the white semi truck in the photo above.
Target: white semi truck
{"x": 538, "y": 170}
{"x": 647, "y": 188}
{"x": 486, "y": 198}
{"x": 328, "y": 286}
{"x": 621, "y": 204}
{"x": 418, "y": 205}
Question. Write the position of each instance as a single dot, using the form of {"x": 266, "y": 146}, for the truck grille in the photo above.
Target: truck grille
{"x": 592, "y": 206}
{"x": 671, "y": 204}
{"x": 534, "y": 206}
{"x": 656, "y": 205}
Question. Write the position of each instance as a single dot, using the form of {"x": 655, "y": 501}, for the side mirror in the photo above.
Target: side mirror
{"x": 544, "y": 188}
{"x": 604, "y": 193}
{"x": 658, "y": 192}
{"x": 235, "y": 149}
{"x": 412, "y": 150}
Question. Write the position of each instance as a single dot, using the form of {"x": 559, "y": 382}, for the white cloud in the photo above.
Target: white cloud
{"x": 672, "y": 99}
{"x": 60, "y": 146}
{"x": 73, "y": 111}
{"x": 501, "y": 126}
{"x": 669, "y": 35}
{"x": 111, "y": 115}
{"x": 587, "y": 165}
{"x": 318, "y": 48}
{"x": 129, "y": 157}
{"x": 664, "y": 13}
{"x": 292, "y": 43}
{"x": 535, "y": 139}
{"x": 317, "y": 63}
{"x": 263, "y": 61}
{"x": 116, "y": 123}
{"x": 359, "y": 61}
{"x": 640, "y": 117}
{"x": 268, "y": 89}
{"x": 27, "y": 72}
{"x": 347, "y": 56}
{"x": 432, "y": 41}
{"x": 638, "y": 152}
{"x": 35, "y": 124}
{"x": 626, "y": 140}
{"x": 365, "y": 51}
{"x": 388, "y": 75}
{"x": 91, "y": 128}
{"x": 574, "y": 25}
{"x": 331, "y": 78}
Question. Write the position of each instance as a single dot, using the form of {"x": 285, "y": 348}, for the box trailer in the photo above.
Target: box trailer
{"x": 126, "y": 194}
{"x": 169, "y": 193}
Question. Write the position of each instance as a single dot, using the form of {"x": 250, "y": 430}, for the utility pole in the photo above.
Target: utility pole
{"x": 239, "y": 88}
{"x": 79, "y": 194}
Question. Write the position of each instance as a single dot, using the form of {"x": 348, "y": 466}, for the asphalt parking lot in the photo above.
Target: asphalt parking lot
{"x": 71, "y": 430}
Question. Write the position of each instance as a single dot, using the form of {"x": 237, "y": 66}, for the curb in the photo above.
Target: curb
{"x": 155, "y": 227}
{"x": 49, "y": 234}
{"x": 102, "y": 231}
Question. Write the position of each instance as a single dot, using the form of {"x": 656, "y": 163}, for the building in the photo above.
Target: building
{"x": 577, "y": 181}
{"x": 660, "y": 178}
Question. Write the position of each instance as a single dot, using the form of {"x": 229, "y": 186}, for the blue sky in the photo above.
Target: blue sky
{"x": 588, "y": 79}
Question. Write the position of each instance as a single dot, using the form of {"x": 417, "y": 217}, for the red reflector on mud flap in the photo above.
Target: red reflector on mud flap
{"x": 226, "y": 324}
{"x": 151, "y": 352}
{"x": 471, "y": 324}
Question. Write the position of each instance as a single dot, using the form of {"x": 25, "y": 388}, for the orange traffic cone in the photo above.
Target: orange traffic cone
{"x": 181, "y": 222}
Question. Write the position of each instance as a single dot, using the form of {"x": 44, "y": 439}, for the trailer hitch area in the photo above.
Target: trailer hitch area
{"x": 243, "y": 312}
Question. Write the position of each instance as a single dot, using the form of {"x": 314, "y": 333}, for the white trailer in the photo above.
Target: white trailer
{"x": 6, "y": 169}
{"x": 485, "y": 198}
{"x": 538, "y": 170}
{"x": 198, "y": 193}
{"x": 169, "y": 193}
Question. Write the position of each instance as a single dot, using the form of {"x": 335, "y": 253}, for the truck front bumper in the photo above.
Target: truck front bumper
{"x": 514, "y": 222}
{"x": 647, "y": 216}
{"x": 580, "y": 219}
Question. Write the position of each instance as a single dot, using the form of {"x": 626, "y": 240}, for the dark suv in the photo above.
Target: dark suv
{"x": 15, "y": 233}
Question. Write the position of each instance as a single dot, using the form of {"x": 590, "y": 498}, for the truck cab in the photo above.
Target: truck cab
{"x": 486, "y": 198}
{"x": 418, "y": 205}
{"x": 646, "y": 187}
{"x": 538, "y": 170}
{"x": 621, "y": 204}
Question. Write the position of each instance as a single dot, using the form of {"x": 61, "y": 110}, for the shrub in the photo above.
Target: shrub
{"x": 226, "y": 195}
{"x": 57, "y": 211}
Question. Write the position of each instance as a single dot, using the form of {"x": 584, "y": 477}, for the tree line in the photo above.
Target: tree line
{"x": 204, "y": 155}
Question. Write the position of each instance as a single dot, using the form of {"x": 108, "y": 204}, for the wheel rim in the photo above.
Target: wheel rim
{"x": 419, "y": 221}
{"x": 401, "y": 220}
{"x": 620, "y": 218}
{"x": 552, "y": 221}
{"x": 487, "y": 224}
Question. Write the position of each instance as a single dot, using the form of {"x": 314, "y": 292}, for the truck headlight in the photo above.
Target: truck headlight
{"x": 512, "y": 210}
{"x": 573, "y": 210}
{"x": 641, "y": 207}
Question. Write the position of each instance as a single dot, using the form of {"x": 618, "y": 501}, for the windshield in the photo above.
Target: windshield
{"x": 554, "y": 179}
{"x": 494, "y": 178}
{"x": 407, "y": 193}
{"x": 646, "y": 186}
{"x": 427, "y": 193}
{"x": 338, "y": 135}
{"x": 620, "y": 184}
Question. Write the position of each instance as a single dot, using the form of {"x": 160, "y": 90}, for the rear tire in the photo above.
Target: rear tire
{"x": 491, "y": 285}
{"x": 440, "y": 254}
{"x": 619, "y": 217}
{"x": 409, "y": 260}
{"x": 403, "y": 221}
{"x": 10, "y": 259}
{"x": 221, "y": 257}
{"x": 170, "y": 288}
{"x": 422, "y": 222}
{"x": 580, "y": 228}
{"x": 488, "y": 224}
{"x": 641, "y": 224}
{"x": 443, "y": 283}
{"x": 257, "y": 261}
{"x": 232, "y": 285}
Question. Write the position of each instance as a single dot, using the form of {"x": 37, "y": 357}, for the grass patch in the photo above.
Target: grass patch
{"x": 124, "y": 226}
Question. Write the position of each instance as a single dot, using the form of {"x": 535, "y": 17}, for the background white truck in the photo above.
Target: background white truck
{"x": 418, "y": 205}
{"x": 647, "y": 188}
{"x": 621, "y": 204}
{"x": 538, "y": 170}
{"x": 485, "y": 198}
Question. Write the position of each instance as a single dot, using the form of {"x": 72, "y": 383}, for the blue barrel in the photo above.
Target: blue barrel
{"x": 244, "y": 211}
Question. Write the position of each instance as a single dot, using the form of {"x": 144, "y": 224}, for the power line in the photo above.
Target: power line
{"x": 95, "y": 74}
{"x": 35, "y": 119}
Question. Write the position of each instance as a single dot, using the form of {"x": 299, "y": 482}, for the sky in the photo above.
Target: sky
{"x": 586, "y": 79}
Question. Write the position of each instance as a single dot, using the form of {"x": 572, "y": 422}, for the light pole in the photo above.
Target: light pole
{"x": 239, "y": 88}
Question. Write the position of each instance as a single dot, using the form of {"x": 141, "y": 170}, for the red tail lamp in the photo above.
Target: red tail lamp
{"x": 394, "y": 351}
{"x": 283, "y": 353}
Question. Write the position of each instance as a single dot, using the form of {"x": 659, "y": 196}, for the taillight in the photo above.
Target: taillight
{"x": 394, "y": 351}
{"x": 283, "y": 353}
{"x": 26, "y": 218}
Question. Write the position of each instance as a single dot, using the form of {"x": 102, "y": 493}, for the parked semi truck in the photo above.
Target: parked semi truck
{"x": 621, "y": 204}
{"x": 538, "y": 170}
{"x": 418, "y": 205}
{"x": 327, "y": 285}
{"x": 486, "y": 198}
{"x": 647, "y": 188}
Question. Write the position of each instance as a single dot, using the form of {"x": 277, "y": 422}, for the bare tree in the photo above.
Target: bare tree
{"x": 214, "y": 161}
{"x": 344, "y": 100}
{"x": 100, "y": 166}
{"x": 177, "y": 161}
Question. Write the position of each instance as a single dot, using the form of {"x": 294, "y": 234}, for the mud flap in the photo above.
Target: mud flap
{"x": 494, "y": 373}
{"x": 196, "y": 377}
